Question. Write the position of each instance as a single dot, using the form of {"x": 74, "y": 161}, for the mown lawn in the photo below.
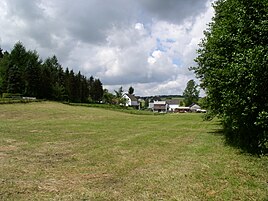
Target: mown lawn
{"x": 52, "y": 151}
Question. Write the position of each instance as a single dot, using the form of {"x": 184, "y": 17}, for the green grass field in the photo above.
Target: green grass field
{"x": 52, "y": 151}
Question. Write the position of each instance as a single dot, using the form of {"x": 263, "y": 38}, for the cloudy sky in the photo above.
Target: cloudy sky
{"x": 147, "y": 44}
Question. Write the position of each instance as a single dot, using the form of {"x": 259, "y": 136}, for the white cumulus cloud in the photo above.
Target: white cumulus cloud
{"x": 147, "y": 44}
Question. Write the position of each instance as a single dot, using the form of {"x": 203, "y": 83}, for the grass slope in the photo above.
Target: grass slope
{"x": 52, "y": 151}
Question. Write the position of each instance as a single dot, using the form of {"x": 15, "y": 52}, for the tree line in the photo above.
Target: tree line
{"x": 23, "y": 73}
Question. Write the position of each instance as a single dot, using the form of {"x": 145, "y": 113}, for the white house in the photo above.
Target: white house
{"x": 194, "y": 107}
{"x": 173, "y": 104}
{"x": 164, "y": 106}
{"x": 131, "y": 100}
{"x": 153, "y": 100}
{"x": 151, "y": 105}
{"x": 160, "y": 106}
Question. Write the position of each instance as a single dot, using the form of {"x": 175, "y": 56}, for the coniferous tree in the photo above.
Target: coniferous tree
{"x": 72, "y": 86}
{"x": 58, "y": 92}
{"x": 131, "y": 90}
{"x": 1, "y": 53}
{"x": 17, "y": 62}
{"x": 67, "y": 84}
{"x": 4, "y": 61}
{"x": 14, "y": 80}
{"x": 23, "y": 72}
{"x": 18, "y": 56}
{"x": 90, "y": 86}
{"x": 78, "y": 91}
{"x": 32, "y": 75}
{"x": 97, "y": 91}
{"x": 60, "y": 76}
{"x": 84, "y": 89}
{"x": 46, "y": 82}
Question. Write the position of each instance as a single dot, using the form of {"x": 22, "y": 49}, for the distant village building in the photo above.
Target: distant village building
{"x": 182, "y": 109}
{"x": 152, "y": 101}
{"x": 194, "y": 107}
{"x": 160, "y": 106}
{"x": 151, "y": 105}
{"x": 173, "y": 104}
{"x": 131, "y": 100}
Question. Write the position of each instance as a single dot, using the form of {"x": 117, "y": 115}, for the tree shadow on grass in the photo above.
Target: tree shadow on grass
{"x": 217, "y": 132}
{"x": 229, "y": 142}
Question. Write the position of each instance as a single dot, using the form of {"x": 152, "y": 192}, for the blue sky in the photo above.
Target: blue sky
{"x": 147, "y": 44}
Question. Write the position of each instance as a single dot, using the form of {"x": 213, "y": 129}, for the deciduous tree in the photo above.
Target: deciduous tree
{"x": 232, "y": 67}
{"x": 108, "y": 97}
{"x": 191, "y": 93}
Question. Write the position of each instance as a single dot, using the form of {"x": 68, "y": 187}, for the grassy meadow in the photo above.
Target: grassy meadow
{"x": 52, "y": 151}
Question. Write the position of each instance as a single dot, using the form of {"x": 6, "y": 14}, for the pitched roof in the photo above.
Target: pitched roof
{"x": 173, "y": 102}
{"x": 193, "y": 104}
{"x": 160, "y": 102}
{"x": 132, "y": 97}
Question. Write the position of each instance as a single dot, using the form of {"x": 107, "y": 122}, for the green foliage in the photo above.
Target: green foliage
{"x": 146, "y": 103}
{"x": 11, "y": 96}
{"x": 97, "y": 91}
{"x": 119, "y": 96}
{"x": 14, "y": 80}
{"x": 131, "y": 90}
{"x": 23, "y": 72}
{"x": 232, "y": 67}
{"x": 1, "y": 53}
{"x": 108, "y": 97}
{"x": 32, "y": 75}
{"x": 14, "y": 101}
{"x": 58, "y": 92}
{"x": 3, "y": 71}
{"x": 119, "y": 92}
{"x": 191, "y": 93}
